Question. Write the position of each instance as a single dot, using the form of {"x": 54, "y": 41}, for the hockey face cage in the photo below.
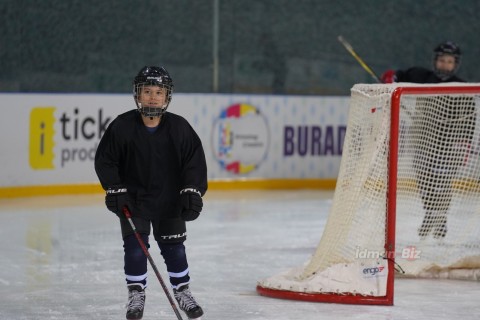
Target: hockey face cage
{"x": 152, "y": 76}
{"x": 447, "y": 48}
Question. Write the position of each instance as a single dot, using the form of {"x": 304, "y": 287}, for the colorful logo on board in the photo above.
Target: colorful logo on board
{"x": 240, "y": 138}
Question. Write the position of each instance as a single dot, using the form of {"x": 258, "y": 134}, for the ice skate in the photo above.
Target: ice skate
{"x": 440, "y": 231}
{"x": 425, "y": 228}
{"x": 187, "y": 302}
{"x": 136, "y": 301}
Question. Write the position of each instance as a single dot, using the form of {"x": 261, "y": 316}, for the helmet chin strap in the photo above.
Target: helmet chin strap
{"x": 444, "y": 75}
{"x": 152, "y": 112}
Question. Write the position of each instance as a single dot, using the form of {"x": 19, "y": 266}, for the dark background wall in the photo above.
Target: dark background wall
{"x": 265, "y": 46}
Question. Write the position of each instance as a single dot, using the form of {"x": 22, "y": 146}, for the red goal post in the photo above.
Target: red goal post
{"x": 407, "y": 197}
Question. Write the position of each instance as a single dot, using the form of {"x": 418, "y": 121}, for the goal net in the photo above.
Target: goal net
{"x": 407, "y": 199}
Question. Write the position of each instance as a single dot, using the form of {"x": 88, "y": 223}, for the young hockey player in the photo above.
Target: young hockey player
{"x": 436, "y": 157}
{"x": 446, "y": 62}
{"x": 153, "y": 162}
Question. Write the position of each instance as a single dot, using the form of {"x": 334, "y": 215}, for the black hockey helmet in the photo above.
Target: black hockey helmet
{"x": 447, "y": 48}
{"x": 157, "y": 76}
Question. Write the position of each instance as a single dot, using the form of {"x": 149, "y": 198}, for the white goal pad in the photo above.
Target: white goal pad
{"x": 407, "y": 197}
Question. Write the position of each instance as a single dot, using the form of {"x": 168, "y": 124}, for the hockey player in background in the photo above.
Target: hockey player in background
{"x": 442, "y": 148}
{"x": 153, "y": 162}
{"x": 446, "y": 62}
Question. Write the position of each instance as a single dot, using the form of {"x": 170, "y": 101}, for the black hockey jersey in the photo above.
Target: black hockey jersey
{"x": 422, "y": 75}
{"x": 153, "y": 166}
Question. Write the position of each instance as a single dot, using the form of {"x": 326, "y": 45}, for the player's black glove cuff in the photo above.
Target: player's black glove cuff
{"x": 192, "y": 204}
{"x": 117, "y": 197}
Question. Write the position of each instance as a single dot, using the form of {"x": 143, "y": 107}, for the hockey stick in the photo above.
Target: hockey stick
{"x": 357, "y": 57}
{"x": 127, "y": 214}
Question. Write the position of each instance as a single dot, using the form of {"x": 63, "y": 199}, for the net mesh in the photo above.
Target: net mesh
{"x": 437, "y": 198}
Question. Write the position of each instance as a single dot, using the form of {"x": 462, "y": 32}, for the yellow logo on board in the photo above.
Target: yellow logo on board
{"x": 42, "y": 121}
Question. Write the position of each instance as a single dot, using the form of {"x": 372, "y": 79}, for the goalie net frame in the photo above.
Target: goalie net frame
{"x": 390, "y": 219}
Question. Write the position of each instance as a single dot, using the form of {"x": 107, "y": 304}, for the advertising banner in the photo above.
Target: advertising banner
{"x": 52, "y": 138}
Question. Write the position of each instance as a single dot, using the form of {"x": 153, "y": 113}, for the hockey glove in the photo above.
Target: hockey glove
{"x": 116, "y": 198}
{"x": 192, "y": 203}
{"x": 389, "y": 76}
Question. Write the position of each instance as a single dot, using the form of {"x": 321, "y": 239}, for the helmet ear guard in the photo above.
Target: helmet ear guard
{"x": 152, "y": 76}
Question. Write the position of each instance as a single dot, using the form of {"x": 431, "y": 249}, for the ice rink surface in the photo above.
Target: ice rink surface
{"x": 62, "y": 258}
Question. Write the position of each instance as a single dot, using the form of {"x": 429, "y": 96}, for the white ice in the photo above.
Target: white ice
{"x": 62, "y": 258}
